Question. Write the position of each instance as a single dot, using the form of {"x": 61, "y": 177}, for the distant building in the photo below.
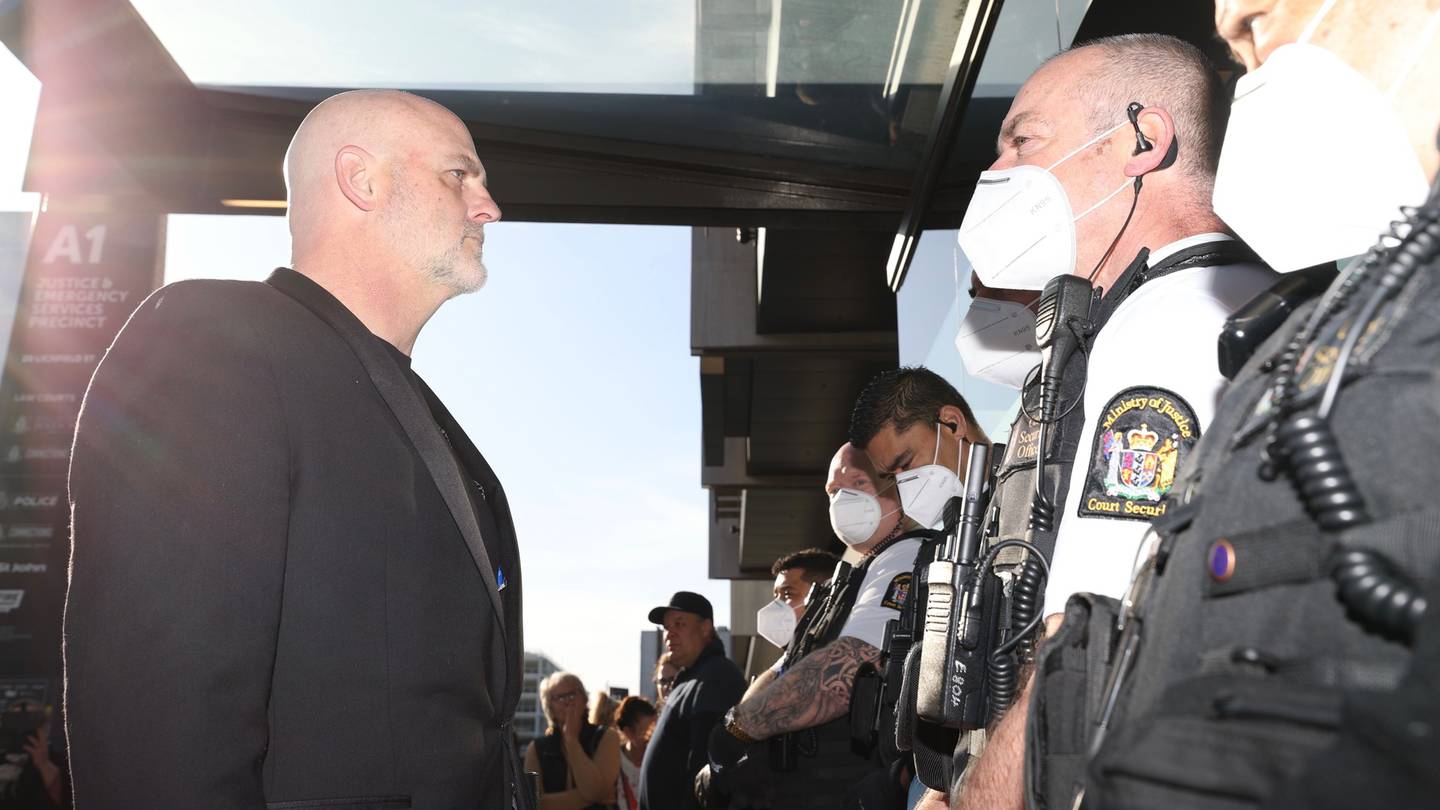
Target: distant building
{"x": 529, "y": 717}
{"x": 650, "y": 649}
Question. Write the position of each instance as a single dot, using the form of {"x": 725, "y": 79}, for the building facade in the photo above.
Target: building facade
{"x": 529, "y": 716}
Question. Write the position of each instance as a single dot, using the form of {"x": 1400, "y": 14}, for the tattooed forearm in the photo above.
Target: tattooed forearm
{"x": 816, "y": 690}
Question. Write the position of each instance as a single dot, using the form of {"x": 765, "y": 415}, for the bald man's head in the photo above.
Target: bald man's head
{"x": 392, "y": 179}
{"x": 851, "y": 468}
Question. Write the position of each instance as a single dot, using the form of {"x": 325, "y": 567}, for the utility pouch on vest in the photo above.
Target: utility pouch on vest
{"x": 1070, "y": 675}
{"x": 875, "y": 708}
{"x": 783, "y": 750}
{"x": 932, "y": 746}
{"x": 865, "y": 699}
{"x": 1234, "y": 735}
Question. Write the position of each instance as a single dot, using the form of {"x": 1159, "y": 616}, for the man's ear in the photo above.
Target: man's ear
{"x": 355, "y": 175}
{"x": 953, "y": 419}
{"x": 1159, "y": 130}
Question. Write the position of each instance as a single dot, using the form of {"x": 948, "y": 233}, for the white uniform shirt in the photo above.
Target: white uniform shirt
{"x": 1153, "y": 384}
{"x": 883, "y": 593}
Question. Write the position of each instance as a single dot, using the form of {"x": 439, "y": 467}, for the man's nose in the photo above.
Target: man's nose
{"x": 483, "y": 208}
{"x": 1003, "y": 162}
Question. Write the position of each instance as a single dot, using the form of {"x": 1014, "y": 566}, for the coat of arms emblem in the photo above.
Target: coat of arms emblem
{"x": 1137, "y": 468}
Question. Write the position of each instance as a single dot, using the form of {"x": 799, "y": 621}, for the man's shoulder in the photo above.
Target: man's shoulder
{"x": 216, "y": 292}
{"x": 888, "y": 580}
{"x": 218, "y": 315}
{"x": 1194, "y": 298}
{"x": 211, "y": 304}
{"x": 718, "y": 672}
{"x": 901, "y": 552}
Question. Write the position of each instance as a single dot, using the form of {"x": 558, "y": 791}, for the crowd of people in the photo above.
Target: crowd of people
{"x": 1177, "y": 582}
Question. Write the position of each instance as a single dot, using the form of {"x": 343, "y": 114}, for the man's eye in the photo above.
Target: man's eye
{"x": 459, "y": 174}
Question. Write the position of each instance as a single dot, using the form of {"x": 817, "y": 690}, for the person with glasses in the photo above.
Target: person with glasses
{"x": 665, "y": 674}
{"x": 578, "y": 762}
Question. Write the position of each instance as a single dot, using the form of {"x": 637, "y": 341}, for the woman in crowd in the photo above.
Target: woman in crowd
{"x": 634, "y": 719}
{"x": 578, "y": 762}
{"x": 665, "y": 673}
{"x": 602, "y": 708}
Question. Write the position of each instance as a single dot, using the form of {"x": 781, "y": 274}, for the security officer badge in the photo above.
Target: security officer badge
{"x": 1143, "y": 436}
{"x": 898, "y": 593}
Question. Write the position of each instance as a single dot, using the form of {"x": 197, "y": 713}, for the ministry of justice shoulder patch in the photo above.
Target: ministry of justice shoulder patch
{"x": 898, "y": 592}
{"x": 1142, "y": 438}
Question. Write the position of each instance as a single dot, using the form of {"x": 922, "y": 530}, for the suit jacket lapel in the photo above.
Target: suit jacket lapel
{"x": 410, "y": 410}
{"x": 474, "y": 463}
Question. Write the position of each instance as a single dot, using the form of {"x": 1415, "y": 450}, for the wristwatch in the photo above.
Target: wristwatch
{"x": 732, "y": 727}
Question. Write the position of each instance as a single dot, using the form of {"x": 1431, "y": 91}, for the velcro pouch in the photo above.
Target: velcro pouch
{"x": 1216, "y": 741}
{"x": 932, "y": 746}
{"x": 1070, "y": 671}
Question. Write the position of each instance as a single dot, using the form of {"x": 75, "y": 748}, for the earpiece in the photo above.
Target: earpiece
{"x": 1142, "y": 143}
{"x": 953, "y": 427}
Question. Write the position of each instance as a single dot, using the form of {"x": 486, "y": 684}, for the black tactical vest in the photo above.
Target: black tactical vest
{"x": 816, "y": 767}
{"x": 1245, "y": 647}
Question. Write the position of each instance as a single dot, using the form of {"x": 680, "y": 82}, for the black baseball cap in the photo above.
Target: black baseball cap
{"x": 686, "y": 601}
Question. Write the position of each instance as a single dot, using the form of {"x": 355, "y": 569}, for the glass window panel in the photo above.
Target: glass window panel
{"x": 930, "y": 308}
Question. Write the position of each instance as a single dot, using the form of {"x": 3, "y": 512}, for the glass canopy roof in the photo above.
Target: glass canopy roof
{"x": 638, "y": 46}
{"x": 849, "y": 82}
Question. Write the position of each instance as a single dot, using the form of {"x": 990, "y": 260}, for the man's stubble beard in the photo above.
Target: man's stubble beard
{"x": 442, "y": 269}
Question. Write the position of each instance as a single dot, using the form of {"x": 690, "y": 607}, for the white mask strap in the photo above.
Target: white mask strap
{"x": 1315, "y": 21}
{"x": 936, "y": 460}
{"x": 962, "y": 443}
{"x": 1082, "y": 147}
{"x": 1417, "y": 52}
{"x": 1107, "y": 198}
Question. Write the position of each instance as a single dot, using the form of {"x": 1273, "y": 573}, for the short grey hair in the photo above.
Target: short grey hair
{"x": 551, "y": 681}
{"x": 1163, "y": 71}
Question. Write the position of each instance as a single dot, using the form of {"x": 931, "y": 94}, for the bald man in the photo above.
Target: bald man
{"x": 293, "y": 578}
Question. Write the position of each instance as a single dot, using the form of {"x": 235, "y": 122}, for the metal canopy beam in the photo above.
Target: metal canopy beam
{"x": 980, "y": 18}
{"x": 118, "y": 118}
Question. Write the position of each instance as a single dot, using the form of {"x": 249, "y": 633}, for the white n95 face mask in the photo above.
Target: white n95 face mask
{"x": 776, "y": 623}
{"x": 1316, "y": 162}
{"x": 1019, "y": 229}
{"x": 924, "y": 491}
{"x": 996, "y": 342}
{"x": 855, "y": 515}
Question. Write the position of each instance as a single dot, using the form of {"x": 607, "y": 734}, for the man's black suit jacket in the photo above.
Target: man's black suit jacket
{"x": 283, "y": 589}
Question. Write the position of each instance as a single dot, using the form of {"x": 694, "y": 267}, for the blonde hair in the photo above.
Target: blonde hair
{"x": 602, "y": 709}
{"x": 548, "y": 685}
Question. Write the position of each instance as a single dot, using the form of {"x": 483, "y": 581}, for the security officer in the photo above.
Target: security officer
{"x": 1105, "y": 171}
{"x": 788, "y": 743}
{"x": 1279, "y": 606}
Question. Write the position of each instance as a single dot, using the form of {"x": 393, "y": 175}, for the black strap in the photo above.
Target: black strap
{"x": 1140, "y": 271}
{"x": 1017, "y": 484}
{"x": 823, "y": 624}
